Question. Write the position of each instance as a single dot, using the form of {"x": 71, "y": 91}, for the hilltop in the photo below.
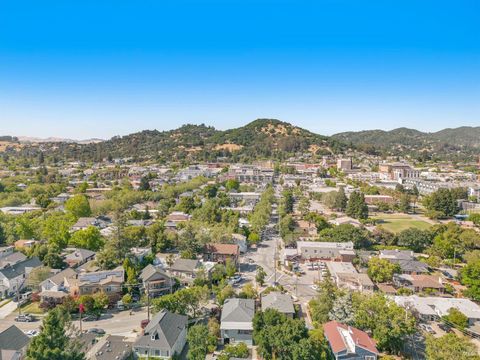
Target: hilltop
{"x": 260, "y": 139}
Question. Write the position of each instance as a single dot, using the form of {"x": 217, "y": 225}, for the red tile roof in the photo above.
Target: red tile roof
{"x": 224, "y": 249}
{"x": 337, "y": 341}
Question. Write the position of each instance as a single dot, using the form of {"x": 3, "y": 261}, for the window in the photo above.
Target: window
{"x": 370, "y": 357}
{"x": 245, "y": 332}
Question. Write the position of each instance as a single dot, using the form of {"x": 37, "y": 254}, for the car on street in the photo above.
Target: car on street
{"x": 96, "y": 331}
{"x": 445, "y": 327}
{"x": 314, "y": 287}
{"x": 427, "y": 328}
{"x": 24, "y": 318}
{"x": 235, "y": 280}
{"x": 90, "y": 318}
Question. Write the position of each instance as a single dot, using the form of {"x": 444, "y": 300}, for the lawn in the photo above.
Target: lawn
{"x": 398, "y": 222}
{"x": 32, "y": 308}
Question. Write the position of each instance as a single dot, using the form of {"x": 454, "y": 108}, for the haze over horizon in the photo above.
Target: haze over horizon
{"x": 100, "y": 69}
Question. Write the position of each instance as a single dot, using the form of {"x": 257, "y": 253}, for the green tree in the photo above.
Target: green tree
{"x": 53, "y": 342}
{"x": 382, "y": 270}
{"x": 89, "y": 238}
{"x": 238, "y": 351}
{"x": 260, "y": 275}
{"x": 356, "y": 207}
{"x": 388, "y": 322}
{"x": 341, "y": 200}
{"x": 415, "y": 239}
{"x": 457, "y": 318}
{"x": 345, "y": 233}
{"x": 443, "y": 201}
{"x": 37, "y": 275}
{"x": 450, "y": 346}
{"x": 470, "y": 276}
{"x": 342, "y": 309}
{"x": 200, "y": 342}
{"x": 79, "y": 206}
{"x": 232, "y": 184}
{"x": 144, "y": 184}
{"x": 404, "y": 203}
{"x": 321, "y": 306}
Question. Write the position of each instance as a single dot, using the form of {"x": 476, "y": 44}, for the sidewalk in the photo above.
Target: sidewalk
{"x": 7, "y": 309}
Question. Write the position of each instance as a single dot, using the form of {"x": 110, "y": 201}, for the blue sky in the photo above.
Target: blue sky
{"x": 83, "y": 69}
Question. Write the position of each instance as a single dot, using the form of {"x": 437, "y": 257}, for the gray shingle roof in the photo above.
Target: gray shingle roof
{"x": 149, "y": 272}
{"x": 238, "y": 310}
{"x": 185, "y": 265}
{"x": 17, "y": 269}
{"x": 165, "y": 327}
{"x": 278, "y": 301}
{"x": 13, "y": 339}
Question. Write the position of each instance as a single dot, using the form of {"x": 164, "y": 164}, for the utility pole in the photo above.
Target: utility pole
{"x": 148, "y": 301}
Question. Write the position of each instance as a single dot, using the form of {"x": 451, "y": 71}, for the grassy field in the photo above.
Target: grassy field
{"x": 399, "y": 222}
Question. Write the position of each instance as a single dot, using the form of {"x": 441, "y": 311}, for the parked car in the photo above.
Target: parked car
{"x": 314, "y": 287}
{"x": 96, "y": 331}
{"x": 90, "y": 318}
{"x": 31, "y": 333}
{"x": 445, "y": 327}
{"x": 24, "y": 318}
{"x": 427, "y": 328}
{"x": 235, "y": 280}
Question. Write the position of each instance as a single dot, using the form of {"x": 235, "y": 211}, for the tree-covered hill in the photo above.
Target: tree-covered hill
{"x": 262, "y": 138}
{"x": 447, "y": 143}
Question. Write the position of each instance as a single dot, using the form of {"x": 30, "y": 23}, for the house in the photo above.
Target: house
{"x": 316, "y": 250}
{"x": 25, "y": 244}
{"x": 419, "y": 283}
{"x": 108, "y": 281}
{"x": 164, "y": 336}
{"x": 305, "y": 228}
{"x": 281, "y": 302}
{"x": 114, "y": 348}
{"x": 350, "y": 343}
{"x": 219, "y": 253}
{"x": 82, "y": 223}
{"x": 432, "y": 308}
{"x": 346, "y": 276}
{"x": 140, "y": 252}
{"x": 13, "y": 343}
{"x": 11, "y": 259}
{"x": 345, "y": 220}
{"x": 185, "y": 269}
{"x": 12, "y": 277}
{"x": 6, "y": 251}
{"x": 176, "y": 218}
{"x": 78, "y": 257}
{"x": 156, "y": 281}
{"x": 19, "y": 210}
{"x": 236, "y": 322}
{"x": 406, "y": 260}
{"x": 57, "y": 281}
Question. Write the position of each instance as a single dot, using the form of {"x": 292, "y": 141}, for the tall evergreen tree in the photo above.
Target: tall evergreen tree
{"x": 53, "y": 342}
{"x": 341, "y": 200}
{"x": 356, "y": 207}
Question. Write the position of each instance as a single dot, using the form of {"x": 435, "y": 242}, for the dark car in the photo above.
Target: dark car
{"x": 96, "y": 331}
{"x": 90, "y": 318}
{"x": 445, "y": 327}
{"x": 24, "y": 318}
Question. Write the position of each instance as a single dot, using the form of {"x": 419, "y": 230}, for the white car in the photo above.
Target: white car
{"x": 314, "y": 287}
{"x": 31, "y": 333}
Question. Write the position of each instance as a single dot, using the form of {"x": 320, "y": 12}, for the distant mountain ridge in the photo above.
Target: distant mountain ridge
{"x": 262, "y": 138}
{"x": 31, "y": 139}
{"x": 454, "y": 140}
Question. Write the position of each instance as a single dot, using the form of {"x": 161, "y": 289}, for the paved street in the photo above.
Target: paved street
{"x": 118, "y": 323}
